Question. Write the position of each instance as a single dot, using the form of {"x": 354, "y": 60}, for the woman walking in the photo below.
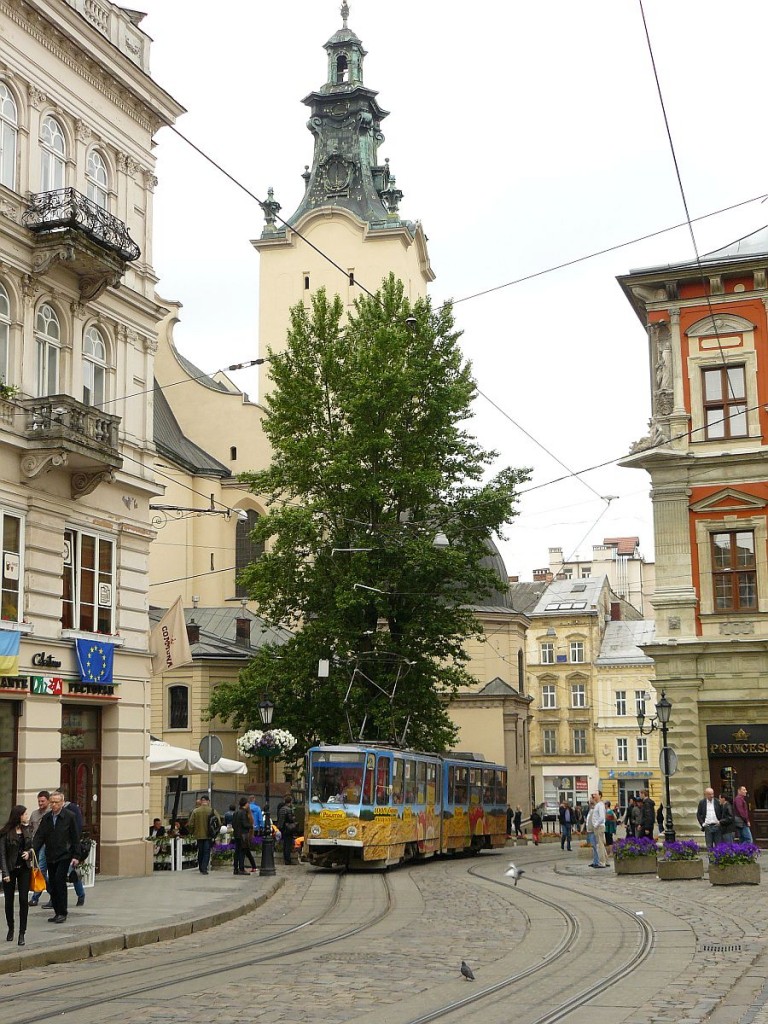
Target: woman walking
{"x": 15, "y": 867}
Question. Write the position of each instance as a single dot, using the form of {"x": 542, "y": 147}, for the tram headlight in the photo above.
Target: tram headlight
{"x": 315, "y": 830}
{"x": 352, "y": 831}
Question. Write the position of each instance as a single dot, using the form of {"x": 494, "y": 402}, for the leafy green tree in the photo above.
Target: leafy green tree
{"x": 379, "y": 515}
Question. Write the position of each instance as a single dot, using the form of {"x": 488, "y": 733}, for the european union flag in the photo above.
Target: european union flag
{"x": 95, "y": 659}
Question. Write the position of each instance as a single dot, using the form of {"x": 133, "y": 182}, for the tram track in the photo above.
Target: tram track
{"x": 639, "y": 954}
{"x": 19, "y": 1001}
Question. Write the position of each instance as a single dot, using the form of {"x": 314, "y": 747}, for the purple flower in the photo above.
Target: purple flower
{"x": 683, "y": 849}
{"x": 634, "y": 847}
{"x": 733, "y": 853}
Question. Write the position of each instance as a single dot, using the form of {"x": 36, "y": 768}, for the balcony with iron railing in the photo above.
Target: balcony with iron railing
{"x": 89, "y": 240}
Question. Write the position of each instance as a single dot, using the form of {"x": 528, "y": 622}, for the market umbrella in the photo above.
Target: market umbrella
{"x": 165, "y": 759}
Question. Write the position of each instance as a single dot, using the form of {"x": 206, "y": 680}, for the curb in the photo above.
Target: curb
{"x": 86, "y": 949}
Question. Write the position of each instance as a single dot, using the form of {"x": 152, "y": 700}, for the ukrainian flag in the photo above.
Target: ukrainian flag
{"x": 10, "y": 641}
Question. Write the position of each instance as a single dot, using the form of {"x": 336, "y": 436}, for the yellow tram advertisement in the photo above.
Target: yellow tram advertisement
{"x": 374, "y": 806}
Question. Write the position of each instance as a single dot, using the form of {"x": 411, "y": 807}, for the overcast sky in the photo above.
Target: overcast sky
{"x": 523, "y": 135}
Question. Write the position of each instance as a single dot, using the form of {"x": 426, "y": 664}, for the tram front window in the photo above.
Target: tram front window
{"x": 337, "y": 782}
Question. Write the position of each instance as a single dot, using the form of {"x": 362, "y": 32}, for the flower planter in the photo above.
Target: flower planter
{"x": 735, "y": 874}
{"x": 644, "y": 865}
{"x": 676, "y": 870}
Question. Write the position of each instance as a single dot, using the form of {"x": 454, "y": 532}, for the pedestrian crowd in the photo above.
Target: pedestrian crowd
{"x": 721, "y": 820}
{"x": 46, "y": 845}
{"x": 247, "y": 822}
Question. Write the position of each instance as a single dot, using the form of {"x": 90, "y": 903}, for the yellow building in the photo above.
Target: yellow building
{"x": 584, "y": 673}
{"x": 350, "y": 210}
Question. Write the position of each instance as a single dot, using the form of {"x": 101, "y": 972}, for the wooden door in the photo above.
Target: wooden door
{"x": 81, "y": 765}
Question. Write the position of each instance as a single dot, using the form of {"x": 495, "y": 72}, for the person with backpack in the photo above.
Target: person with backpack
{"x": 203, "y": 826}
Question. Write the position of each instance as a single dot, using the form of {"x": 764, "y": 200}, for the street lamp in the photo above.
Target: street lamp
{"x": 660, "y": 721}
{"x": 266, "y": 710}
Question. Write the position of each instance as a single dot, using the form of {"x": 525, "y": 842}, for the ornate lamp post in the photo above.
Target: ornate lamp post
{"x": 668, "y": 757}
{"x": 266, "y": 710}
{"x": 266, "y": 743}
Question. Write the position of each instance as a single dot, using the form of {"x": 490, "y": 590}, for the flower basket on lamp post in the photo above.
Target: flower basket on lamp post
{"x": 266, "y": 743}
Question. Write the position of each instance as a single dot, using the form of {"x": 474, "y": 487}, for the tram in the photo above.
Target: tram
{"x": 371, "y": 806}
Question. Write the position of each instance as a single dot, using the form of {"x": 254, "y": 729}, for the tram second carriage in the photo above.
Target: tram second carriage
{"x": 372, "y": 806}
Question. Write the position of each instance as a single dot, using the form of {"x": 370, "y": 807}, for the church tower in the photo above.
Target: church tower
{"x": 350, "y": 209}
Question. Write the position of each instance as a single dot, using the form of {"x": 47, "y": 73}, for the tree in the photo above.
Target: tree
{"x": 372, "y": 464}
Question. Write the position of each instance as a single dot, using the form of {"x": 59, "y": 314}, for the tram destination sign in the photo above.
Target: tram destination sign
{"x": 737, "y": 740}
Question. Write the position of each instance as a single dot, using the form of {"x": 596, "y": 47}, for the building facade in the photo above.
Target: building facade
{"x": 581, "y": 683}
{"x": 705, "y": 452}
{"x": 618, "y": 558}
{"x": 78, "y": 316}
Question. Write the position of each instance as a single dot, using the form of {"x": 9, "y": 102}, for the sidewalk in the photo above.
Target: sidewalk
{"x": 120, "y": 913}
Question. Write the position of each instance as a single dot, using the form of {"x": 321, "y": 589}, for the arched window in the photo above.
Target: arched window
{"x": 178, "y": 707}
{"x": 9, "y": 127}
{"x": 97, "y": 179}
{"x": 53, "y": 155}
{"x": 5, "y": 329}
{"x": 94, "y": 367}
{"x": 48, "y": 340}
{"x": 342, "y": 69}
{"x": 247, "y": 549}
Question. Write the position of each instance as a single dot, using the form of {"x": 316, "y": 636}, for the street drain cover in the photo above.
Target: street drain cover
{"x": 714, "y": 947}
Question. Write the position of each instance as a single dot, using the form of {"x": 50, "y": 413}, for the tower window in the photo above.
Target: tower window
{"x": 233, "y": 454}
{"x": 342, "y": 69}
{"x": 306, "y": 282}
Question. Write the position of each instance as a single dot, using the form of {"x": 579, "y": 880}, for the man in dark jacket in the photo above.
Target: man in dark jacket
{"x": 647, "y": 816}
{"x": 708, "y": 814}
{"x": 566, "y": 817}
{"x": 59, "y": 834}
{"x": 286, "y": 822}
{"x": 726, "y": 819}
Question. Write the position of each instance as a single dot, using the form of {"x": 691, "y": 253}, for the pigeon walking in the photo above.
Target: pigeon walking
{"x": 467, "y": 971}
{"x": 513, "y": 872}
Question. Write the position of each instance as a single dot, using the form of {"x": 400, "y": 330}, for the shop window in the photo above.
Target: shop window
{"x": 734, "y": 572}
{"x": 79, "y": 728}
{"x": 178, "y": 707}
{"x": 89, "y": 569}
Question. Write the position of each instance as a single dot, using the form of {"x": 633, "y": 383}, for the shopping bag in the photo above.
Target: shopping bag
{"x": 37, "y": 879}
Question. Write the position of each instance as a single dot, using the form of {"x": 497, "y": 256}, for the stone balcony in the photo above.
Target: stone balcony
{"x": 90, "y": 241}
{"x": 62, "y": 433}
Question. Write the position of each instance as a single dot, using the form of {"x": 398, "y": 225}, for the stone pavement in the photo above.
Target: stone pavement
{"x": 121, "y": 913}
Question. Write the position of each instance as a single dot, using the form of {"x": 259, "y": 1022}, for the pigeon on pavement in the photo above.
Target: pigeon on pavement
{"x": 467, "y": 971}
{"x": 514, "y": 872}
